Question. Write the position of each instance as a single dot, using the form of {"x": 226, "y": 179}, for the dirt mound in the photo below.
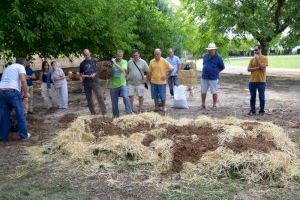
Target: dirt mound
{"x": 68, "y": 118}
{"x": 193, "y": 148}
{"x": 102, "y": 126}
{"x": 259, "y": 143}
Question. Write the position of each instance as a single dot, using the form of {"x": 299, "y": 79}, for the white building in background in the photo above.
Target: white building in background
{"x": 296, "y": 50}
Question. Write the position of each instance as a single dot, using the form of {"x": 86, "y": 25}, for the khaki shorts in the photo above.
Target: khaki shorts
{"x": 139, "y": 90}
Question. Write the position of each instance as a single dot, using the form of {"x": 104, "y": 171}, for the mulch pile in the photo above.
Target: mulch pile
{"x": 68, "y": 118}
{"x": 190, "y": 142}
{"x": 104, "y": 69}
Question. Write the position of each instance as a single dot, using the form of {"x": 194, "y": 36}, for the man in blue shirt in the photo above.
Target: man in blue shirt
{"x": 173, "y": 79}
{"x": 212, "y": 66}
{"x": 30, "y": 76}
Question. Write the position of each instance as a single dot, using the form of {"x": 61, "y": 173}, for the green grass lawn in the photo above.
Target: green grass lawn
{"x": 292, "y": 62}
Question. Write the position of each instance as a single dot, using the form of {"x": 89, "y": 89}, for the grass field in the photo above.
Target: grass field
{"x": 292, "y": 62}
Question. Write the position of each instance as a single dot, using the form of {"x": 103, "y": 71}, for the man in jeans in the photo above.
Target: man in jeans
{"x": 117, "y": 85}
{"x": 30, "y": 76}
{"x": 212, "y": 66}
{"x": 13, "y": 82}
{"x": 159, "y": 68}
{"x": 137, "y": 67}
{"x": 257, "y": 67}
{"x": 91, "y": 82}
{"x": 173, "y": 79}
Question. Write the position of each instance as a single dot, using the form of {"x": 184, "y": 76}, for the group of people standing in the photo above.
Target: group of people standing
{"x": 54, "y": 87}
{"x": 129, "y": 79}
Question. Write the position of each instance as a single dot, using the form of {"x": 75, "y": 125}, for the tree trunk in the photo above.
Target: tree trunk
{"x": 264, "y": 47}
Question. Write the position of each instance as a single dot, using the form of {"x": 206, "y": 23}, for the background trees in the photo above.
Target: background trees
{"x": 60, "y": 27}
{"x": 264, "y": 20}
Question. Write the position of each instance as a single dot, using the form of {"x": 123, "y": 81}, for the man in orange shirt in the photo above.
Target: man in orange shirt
{"x": 157, "y": 75}
{"x": 257, "y": 67}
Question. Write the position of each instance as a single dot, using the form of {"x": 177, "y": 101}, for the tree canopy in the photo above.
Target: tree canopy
{"x": 60, "y": 27}
{"x": 264, "y": 20}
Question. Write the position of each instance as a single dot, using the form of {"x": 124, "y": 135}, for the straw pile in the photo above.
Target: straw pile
{"x": 187, "y": 74}
{"x": 201, "y": 147}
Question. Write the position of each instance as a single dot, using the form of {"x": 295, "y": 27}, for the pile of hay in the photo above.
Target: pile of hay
{"x": 201, "y": 147}
{"x": 187, "y": 74}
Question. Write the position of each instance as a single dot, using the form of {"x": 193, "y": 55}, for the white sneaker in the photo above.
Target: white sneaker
{"x": 28, "y": 136}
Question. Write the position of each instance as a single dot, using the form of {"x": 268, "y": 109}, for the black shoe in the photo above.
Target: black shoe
{"x": 251, "y": 113}
{"x": 261, "y": 112}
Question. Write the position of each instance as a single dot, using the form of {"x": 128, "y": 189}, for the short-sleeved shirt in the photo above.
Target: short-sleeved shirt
{"x": 158, "y": 70}
{"x": 11, "y": 77}
{"x": 88, "y": 67}
{"x": 175, "y": 62}
{"x": 118, "y": 78}
{"x": 212, "y": 66}
{"x": 134, "y": 76}
{"x": 258, "y": 75}
{"x": 29, "y": 72}
{"x": 58, "y": 73}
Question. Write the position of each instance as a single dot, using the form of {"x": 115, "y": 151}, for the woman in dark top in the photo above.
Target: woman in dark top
{"x": 47, "y": 87}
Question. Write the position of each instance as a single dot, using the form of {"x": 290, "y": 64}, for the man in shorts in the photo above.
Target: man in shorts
{"x": 136, "y": 70}
{"x": 212, "y": 66}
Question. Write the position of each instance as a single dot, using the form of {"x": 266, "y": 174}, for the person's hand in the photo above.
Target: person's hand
{"x": 163, "y": 78}
{"x": 93, "y": 75}
{"x": 28, "y": 77}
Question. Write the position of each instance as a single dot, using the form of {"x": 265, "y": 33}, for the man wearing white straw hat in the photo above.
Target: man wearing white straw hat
{"x": 212, "y": 66}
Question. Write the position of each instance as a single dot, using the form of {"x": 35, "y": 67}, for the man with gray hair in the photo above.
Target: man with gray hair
{"x": 157, "y": 75}
{"x": 13, "y": 87}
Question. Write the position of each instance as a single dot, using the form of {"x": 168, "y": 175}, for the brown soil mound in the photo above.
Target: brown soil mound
{"x": 34, "y": 123}
{"x": 68, "y": 118}
{"x": 259, "y": 144}
{"x": 148, "y": 139}
{"x": 187, "y": 150}
{"x": 102, "y": 126}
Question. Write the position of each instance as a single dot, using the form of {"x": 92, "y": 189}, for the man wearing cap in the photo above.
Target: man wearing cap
{"x": 13, "y": 82}
{"x": 212, "y": 66}
{"x": 257, "y": 67}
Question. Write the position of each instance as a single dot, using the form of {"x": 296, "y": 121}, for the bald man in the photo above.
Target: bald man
{"x": 91, "y": 83}
{"x": 157, "y": 76}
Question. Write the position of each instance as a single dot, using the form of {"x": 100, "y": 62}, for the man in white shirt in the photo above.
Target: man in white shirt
{"x": 13, "y": 83}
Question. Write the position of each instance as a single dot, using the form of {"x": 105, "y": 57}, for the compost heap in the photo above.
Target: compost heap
{"x": 201, "y": 147}
{"x": 104, "y": 69}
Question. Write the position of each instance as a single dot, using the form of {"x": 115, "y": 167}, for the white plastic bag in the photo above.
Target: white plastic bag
{"x": 180, "y": 100}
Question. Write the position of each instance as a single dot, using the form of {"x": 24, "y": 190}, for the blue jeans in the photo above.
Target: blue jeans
{"x": 172, "y": 80}
{"x": 115, "y": 93}
{"x": 158, "y": 91}
{"x": 11, "y": 99}
{"x": 261, "y": 87}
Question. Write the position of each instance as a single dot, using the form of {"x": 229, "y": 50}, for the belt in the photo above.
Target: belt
{"x": 7, "y": 89}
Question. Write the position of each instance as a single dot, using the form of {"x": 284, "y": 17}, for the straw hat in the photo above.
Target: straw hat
{"x": 211, "y": 46}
